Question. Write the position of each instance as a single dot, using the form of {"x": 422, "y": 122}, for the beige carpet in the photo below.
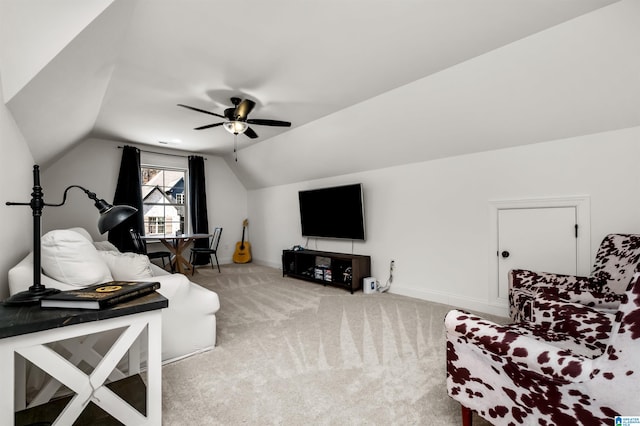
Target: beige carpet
{"x": 291, "y": 352}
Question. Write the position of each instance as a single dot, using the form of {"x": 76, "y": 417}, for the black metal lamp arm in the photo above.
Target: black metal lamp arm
{"x": 100, "y": 204}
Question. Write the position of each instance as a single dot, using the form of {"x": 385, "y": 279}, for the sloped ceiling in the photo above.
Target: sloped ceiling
{"x": 69, "y": 68}
{"x": 366, "y": 84}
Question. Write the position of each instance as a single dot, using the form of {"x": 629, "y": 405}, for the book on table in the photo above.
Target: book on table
{"x": 99, "y": 296}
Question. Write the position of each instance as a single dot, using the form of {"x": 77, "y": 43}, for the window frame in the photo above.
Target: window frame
{"x": 167, "y": 226}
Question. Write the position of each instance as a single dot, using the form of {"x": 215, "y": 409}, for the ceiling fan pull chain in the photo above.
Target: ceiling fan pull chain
{"x": 235, "y": 146}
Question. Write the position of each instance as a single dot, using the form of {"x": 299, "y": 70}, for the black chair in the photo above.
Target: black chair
{"x": 211, "y": 250}
{"x": 141, "y": 248}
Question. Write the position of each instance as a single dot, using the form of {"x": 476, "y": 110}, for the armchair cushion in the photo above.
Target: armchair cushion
{"x": 588, "y": 325}
{"x": 69, "y": 257}
{"x": 560, "y": 339}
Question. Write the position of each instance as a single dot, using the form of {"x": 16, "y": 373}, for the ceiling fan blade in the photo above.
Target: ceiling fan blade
{"x": 243, "y": 110}
{"x": 208, "y": 126}
{"x": 201, "y": 110}
{"x": 262, "y": 122}
{"x": 250, "y": 133}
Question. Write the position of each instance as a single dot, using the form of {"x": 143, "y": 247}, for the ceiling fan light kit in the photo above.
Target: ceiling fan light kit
{"x": 235, "y": 127}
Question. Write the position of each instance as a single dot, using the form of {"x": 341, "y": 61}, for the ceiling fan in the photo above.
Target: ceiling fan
{"x": 237, "y": 120}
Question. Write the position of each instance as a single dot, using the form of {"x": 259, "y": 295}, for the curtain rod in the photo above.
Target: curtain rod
{"x": 161, "y": 153}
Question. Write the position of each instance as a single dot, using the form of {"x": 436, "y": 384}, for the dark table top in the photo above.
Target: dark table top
{"x": 17, "y": 320}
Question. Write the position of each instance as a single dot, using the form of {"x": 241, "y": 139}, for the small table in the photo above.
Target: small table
{"x": 26, "y": 331}
{"x": 177, "y": 244}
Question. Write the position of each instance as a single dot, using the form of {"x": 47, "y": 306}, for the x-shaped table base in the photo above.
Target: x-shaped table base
{"x": 87, "y": 388}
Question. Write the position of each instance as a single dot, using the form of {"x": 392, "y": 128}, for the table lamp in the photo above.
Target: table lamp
{"x": 110, "y": 217}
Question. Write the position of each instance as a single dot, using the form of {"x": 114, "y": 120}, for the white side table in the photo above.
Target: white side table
{"x": 25, "y": 331}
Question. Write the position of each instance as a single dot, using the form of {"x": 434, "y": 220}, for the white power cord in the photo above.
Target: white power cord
{"x": 387, "y": 285}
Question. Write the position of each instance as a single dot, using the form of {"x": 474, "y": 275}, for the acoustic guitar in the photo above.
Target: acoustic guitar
{"x": 243, "y": 248}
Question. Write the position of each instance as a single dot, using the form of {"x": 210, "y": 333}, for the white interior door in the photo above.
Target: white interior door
{"x": 539, "y": 239}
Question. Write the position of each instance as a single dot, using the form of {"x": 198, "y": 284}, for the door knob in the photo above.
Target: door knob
{"x": 505, "y": 254}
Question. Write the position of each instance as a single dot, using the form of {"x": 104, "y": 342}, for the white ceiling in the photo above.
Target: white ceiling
{"x": 450, "y": 69}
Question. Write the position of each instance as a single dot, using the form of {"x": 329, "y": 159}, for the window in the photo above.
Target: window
{"x": 163, "y": 200}
{"x": 154, "y": 225}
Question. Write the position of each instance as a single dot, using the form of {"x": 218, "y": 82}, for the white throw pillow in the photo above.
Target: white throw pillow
{"x": 127, "y": 266}
{"x": 105, "y": 246}
{"x": 69, "y": 257}
{"x": 82, "y": 232}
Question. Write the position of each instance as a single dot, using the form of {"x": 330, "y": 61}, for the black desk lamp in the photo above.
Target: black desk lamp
{"x": 110, "y": 217}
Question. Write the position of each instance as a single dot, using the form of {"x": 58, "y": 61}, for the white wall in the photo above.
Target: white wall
{"x": 17, "y": 180}
{"x": 432, "y": 218}
{"x": 95, "y": 163}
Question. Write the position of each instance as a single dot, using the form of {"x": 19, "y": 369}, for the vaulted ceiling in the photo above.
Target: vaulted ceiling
{"x": 366, "y": 83}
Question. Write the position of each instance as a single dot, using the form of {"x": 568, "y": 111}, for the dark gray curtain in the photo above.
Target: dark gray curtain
{"x": 129, "y": 192}
{"x": 198, "y": 206}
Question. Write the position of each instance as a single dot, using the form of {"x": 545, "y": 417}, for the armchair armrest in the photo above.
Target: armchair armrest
{"x": 592, "y": 328}
{"x": 507, "y": 343}
{"x": 522, "y": 278}
{"x": 524, "y": 285}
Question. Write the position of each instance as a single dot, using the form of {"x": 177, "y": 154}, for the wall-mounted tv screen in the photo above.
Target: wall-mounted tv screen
{"x": 335, "y": 212}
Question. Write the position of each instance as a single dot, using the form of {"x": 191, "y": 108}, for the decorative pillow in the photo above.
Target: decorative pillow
{"x": 82, "y": 232}
{"x": 105, "y": 246}
{"x": 127, "y": 266}
{"x": 69, "y": 257}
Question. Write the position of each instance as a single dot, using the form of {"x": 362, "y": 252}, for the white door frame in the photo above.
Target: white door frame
{"x": 583, "y": 216}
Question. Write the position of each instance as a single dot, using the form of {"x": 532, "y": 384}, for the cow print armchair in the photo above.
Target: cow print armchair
{"x": 613, "y": 267}
{"x": 579, "y": 366}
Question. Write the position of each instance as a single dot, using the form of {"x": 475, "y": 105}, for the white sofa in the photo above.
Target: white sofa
{"x": 70, "y": 259}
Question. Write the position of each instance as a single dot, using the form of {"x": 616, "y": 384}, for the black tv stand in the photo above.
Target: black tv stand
{"x": 327, "y": 268}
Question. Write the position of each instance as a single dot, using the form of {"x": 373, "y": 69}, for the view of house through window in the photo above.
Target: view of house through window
{"x": 163, "y": 200}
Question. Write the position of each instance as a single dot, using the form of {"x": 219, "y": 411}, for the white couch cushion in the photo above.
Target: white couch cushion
{"x": 69, "y": 257}
{"x": 127, "y": 266}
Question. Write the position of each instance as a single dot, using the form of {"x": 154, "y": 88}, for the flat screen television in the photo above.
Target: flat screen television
{"x": 334, "y": 212}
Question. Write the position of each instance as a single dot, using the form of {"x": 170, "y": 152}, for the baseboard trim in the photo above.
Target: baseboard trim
{"x": 457, "y": 301}
{"x": 267, "y": 263}
{"x": 454, "y": 300}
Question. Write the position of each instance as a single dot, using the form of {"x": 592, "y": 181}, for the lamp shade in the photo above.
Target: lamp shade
{"x": 236, "y": 127}
{"x": 114, "y": 216}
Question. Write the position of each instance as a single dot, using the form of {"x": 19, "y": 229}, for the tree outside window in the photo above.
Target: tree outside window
{"x": 163, "y": 200}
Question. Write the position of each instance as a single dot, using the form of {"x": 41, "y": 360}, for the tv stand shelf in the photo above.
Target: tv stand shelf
{"x": 327, "y": 268}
